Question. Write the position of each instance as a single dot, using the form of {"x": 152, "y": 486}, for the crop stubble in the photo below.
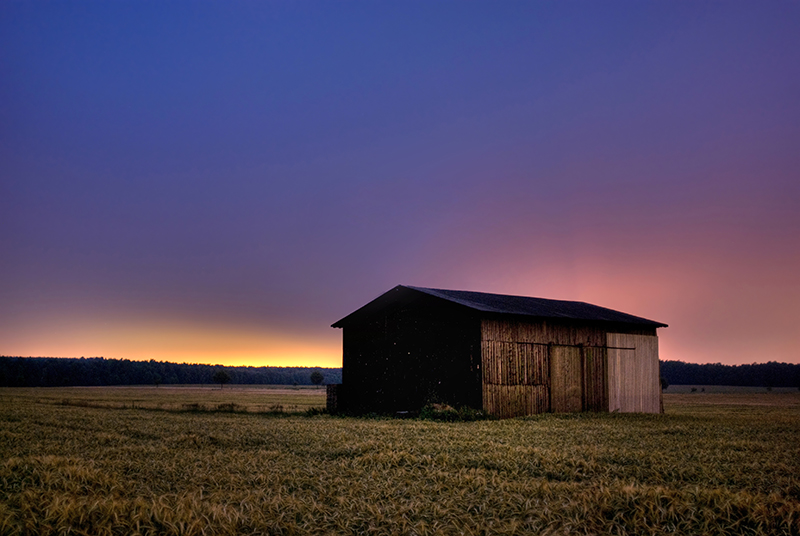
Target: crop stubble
{"x": 100, "y": 468}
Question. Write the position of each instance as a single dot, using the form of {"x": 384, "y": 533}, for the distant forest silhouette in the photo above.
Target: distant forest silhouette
{"x": 770, "y": 374}
{"x": 97, "y": 371}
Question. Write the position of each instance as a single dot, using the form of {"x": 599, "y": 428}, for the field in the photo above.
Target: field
{"x": 236, "y": 461}
{"x": 252, "y": 399}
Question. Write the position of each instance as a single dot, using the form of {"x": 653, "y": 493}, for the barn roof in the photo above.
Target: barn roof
{"x": 504, "y": 304}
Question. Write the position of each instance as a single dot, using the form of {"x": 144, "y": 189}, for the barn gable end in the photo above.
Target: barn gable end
{"x": 404, "y": 352}
{"x": 507, "y": 355}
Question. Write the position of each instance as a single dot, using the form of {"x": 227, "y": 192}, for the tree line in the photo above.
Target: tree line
{"x": 98, "y": 371}
{"x": 770, "y": 374}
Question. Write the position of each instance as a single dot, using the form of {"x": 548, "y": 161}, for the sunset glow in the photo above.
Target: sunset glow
{"x": 166, "y": 341}
{"x": 220, "y": 182}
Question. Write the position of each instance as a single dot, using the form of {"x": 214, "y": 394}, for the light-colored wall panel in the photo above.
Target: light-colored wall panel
{"x": 633, "y": 378}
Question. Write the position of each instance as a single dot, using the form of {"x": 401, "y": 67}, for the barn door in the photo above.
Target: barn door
{"x": 595, "y": 393}
{"x": 633, "y": 384}
{"x": 566, "y": 379}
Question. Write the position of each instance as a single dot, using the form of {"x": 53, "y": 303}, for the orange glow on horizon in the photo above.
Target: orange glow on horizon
{"x": 174, "y": 342}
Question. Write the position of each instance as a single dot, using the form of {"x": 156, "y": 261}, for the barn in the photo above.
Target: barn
{"x": 507, "y": 355}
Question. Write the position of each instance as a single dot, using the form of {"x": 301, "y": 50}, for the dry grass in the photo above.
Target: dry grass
{"x": 252, "y": 399}
{"x": 728, "y": 468}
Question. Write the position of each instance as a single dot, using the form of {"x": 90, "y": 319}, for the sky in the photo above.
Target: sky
{"x": 219, "y": 182}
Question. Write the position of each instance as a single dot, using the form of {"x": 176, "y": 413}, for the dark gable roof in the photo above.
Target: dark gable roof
{"x": 513, "y": 305}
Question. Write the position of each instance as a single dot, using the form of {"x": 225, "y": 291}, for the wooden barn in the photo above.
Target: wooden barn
{"x": 506, "y": 355}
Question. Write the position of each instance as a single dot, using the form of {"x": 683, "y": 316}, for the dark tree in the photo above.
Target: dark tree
{"x": 317, "y": 377}
{"x": 221, "y": 377}
{"x": 664, "y": 384}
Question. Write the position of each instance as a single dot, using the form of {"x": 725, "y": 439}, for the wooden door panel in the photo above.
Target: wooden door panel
{"x": 566, "y": 379}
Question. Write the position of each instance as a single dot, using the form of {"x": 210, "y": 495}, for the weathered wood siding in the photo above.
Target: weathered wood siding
{"x": 595, "y": 378}
{"x": 534, "y": 367}
{"x": 633, "y": 375}
{"x": 506, "y": 401}
{"x": 566, "y": 379}
{"x": 515, "y": 378}
{"x": 507, "y": 329}
{"x": 514, "y": 363}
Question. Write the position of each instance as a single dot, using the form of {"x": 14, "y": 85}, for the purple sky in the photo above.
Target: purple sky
{"x": 219, "y": 182}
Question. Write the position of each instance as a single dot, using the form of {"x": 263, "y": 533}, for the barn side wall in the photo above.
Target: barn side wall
{"x": 534, "y": 367}
{"x": 406, "y": 357}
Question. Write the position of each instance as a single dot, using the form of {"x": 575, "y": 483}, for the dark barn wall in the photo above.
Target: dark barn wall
{"x": 404, "y": 357}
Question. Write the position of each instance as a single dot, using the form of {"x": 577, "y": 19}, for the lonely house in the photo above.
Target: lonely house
{"x": 506, "y": 355}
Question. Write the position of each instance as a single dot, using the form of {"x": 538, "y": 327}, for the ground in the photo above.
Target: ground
{"x": 209, "y": 461}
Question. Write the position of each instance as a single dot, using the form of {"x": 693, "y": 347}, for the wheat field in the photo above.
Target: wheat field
{"x": 237, "y": 461}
